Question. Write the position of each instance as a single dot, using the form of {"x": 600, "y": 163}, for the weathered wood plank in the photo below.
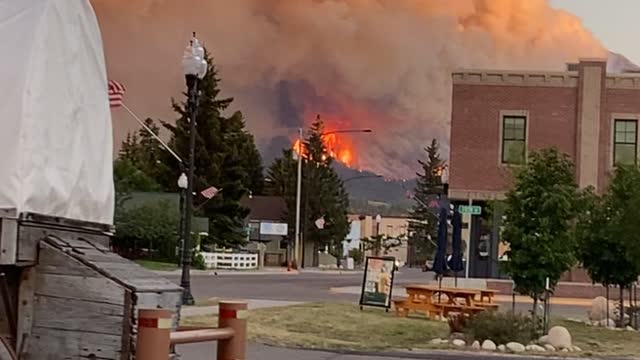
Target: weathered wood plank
{"x": 28, "y": 244}
{"x": 49, "y": 344}
{"x": 54, "y": 261}
{"x": 127, "y": 326}
{"x": 67, "y": 314}
{"x": 82, "y": 288}
{"x": 8, "y": 241}
{"x": 25, "y": 304}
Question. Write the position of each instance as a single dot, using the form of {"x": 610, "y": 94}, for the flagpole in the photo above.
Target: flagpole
{"x": 166, "y": 147}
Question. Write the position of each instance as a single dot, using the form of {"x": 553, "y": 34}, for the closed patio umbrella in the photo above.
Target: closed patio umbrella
{"x": 456, "y": 264}
{"x": 440, "y": 262}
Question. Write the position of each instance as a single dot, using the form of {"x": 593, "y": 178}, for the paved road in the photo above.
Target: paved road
{"x": 262, "y": 352}
{"x": 315, "y": 287}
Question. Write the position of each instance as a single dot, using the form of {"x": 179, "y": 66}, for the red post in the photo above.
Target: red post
{"x": 233, "y": 314}
{"x": 154, "y": 331}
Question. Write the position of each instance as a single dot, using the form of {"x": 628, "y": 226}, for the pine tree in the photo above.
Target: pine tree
{"x": 323, "y": 193}
{"x": 423, "y": 225}
{"x": 225, "y": 157}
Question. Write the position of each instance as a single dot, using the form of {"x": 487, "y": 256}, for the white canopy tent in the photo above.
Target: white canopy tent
{"x": 55, "y": 124}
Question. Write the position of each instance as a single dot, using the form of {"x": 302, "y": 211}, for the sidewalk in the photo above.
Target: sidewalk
{"x": 264, "y": 271}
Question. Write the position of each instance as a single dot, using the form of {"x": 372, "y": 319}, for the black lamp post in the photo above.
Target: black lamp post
{"x": 195, "y": 68}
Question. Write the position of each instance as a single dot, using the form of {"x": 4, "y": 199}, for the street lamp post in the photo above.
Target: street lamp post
{"x": 378, "y": 238}
{"x": 183, "y": 182}
{"x": 194, "y": 67}
{"x": 298, "y": 238}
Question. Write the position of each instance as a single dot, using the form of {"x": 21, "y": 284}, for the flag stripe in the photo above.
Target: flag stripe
{"x": 116, "y": 93}
{"x": 209, "y": 192}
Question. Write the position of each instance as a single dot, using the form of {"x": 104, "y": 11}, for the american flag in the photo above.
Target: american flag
{"x": 116, "y": 93}
{"x": 209, "y": 192}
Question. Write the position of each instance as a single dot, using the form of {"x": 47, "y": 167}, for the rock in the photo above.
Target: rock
{"x": 549, "y": 347}
{"x": 459, "y": 343}
{"x": 436, "y": 341}
{"x": 502, "y": 348}
{"x": 543, "y": 340}
{"x": 456, "y": 336}
{"x": 565, "y": 350}
{"x": 576, "y": 349}
{"x": 598, "y": 310}
{"x": 535, "y": 348}
{"x": 515, "y": 347}
{"x": 560, "y": 337}
{"x": 629, "y": 328}
{"x": 476, "y": 345}
{"x": 489, "y": 345}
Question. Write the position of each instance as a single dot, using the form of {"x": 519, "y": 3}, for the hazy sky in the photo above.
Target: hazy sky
{"x": 614, "y": 22}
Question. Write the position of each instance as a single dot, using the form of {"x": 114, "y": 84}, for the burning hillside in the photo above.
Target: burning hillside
{"x": 380, "y": 64}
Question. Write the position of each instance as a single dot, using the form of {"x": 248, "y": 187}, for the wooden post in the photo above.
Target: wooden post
{"x": 154, "y": 331}
{"x": 233, "y": 314}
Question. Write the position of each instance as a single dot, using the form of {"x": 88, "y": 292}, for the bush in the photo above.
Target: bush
{"x": 357, "y": 255}
{"x": 457, "y": 323}
{"x": 501, "y": 328}
{"x": 198, "y": 261}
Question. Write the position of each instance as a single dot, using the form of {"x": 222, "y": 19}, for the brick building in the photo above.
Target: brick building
{"x": 497, "y": 116}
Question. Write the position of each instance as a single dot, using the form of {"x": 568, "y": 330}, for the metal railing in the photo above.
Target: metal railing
{"x": 155, "y": 337}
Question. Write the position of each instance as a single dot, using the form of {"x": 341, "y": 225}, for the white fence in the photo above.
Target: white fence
{"x": 236, "y": 261}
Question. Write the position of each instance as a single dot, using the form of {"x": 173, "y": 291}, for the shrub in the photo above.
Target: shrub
{"x": 501, "y": 328}
{"x": 457, "y": 323}
{"x": 357, "y": 255}
{"x": 198, "y": 261}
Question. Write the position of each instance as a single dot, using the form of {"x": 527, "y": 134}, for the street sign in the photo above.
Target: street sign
{"x": 470, "y": 209}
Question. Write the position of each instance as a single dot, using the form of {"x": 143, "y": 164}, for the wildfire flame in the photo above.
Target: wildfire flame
{"x": 338, "y": 148}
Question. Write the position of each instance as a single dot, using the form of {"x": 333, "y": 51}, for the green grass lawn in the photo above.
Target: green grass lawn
{"x": 344, "y": 326}
{"x": 596, "y": 341}
{"x": 336, "y": 326}
{"x": 157, "y": 265}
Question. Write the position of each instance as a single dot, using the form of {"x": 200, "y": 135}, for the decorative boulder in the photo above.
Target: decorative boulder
{"x": 607, "y": 323}
{"x": 489, "y": 345}
{"x": 459, "y": 343}
{"x": 549, "y": 347}
{"x": 598, "y": 310}
{"x": 502, "y": 348}
{"x": 543, "y": 340}
{"x": 476, "y": 345}
{"x": 515, "y": 347}
{"x": 535, "y": 348}
{"x": 560, "y": 337}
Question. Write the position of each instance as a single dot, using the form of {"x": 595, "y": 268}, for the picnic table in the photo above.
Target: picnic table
{"x": 440, "y": 301}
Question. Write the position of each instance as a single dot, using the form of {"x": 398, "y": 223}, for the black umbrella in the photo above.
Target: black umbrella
{"x": 440, "y": 262}
{"x": 456, "y": 264}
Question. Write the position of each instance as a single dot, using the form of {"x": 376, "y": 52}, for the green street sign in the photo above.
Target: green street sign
{"x": 470, "y": 209}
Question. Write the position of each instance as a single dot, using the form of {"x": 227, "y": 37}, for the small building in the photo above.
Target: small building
{"x": 268, "y": 213}
{"x": 498, "y": 116}
{"x": 366, "y": 226}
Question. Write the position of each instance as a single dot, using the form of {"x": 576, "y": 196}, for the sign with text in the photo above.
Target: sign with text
{"x": 470, "y": 209}
{"x": 378, "y": 282}
{"x": 269, "y": 228}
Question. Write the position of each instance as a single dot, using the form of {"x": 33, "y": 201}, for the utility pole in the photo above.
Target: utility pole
{"x": 297, "y": 248}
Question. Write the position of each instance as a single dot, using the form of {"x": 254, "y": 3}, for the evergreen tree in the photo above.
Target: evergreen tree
{"x": 323, "y": 193}
{"x": 423, "y": 225}
{"x": 225, "y": 157}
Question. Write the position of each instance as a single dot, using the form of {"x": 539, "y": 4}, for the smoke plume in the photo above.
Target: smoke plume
{"x": 380, "y": 64}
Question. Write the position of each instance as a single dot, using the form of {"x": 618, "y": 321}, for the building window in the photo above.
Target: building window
{"x": 514, "y": 144}
{"x": 625, "y": 142}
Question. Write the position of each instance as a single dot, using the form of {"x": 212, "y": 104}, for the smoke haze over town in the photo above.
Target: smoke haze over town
{"x": 379, "y": 64}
